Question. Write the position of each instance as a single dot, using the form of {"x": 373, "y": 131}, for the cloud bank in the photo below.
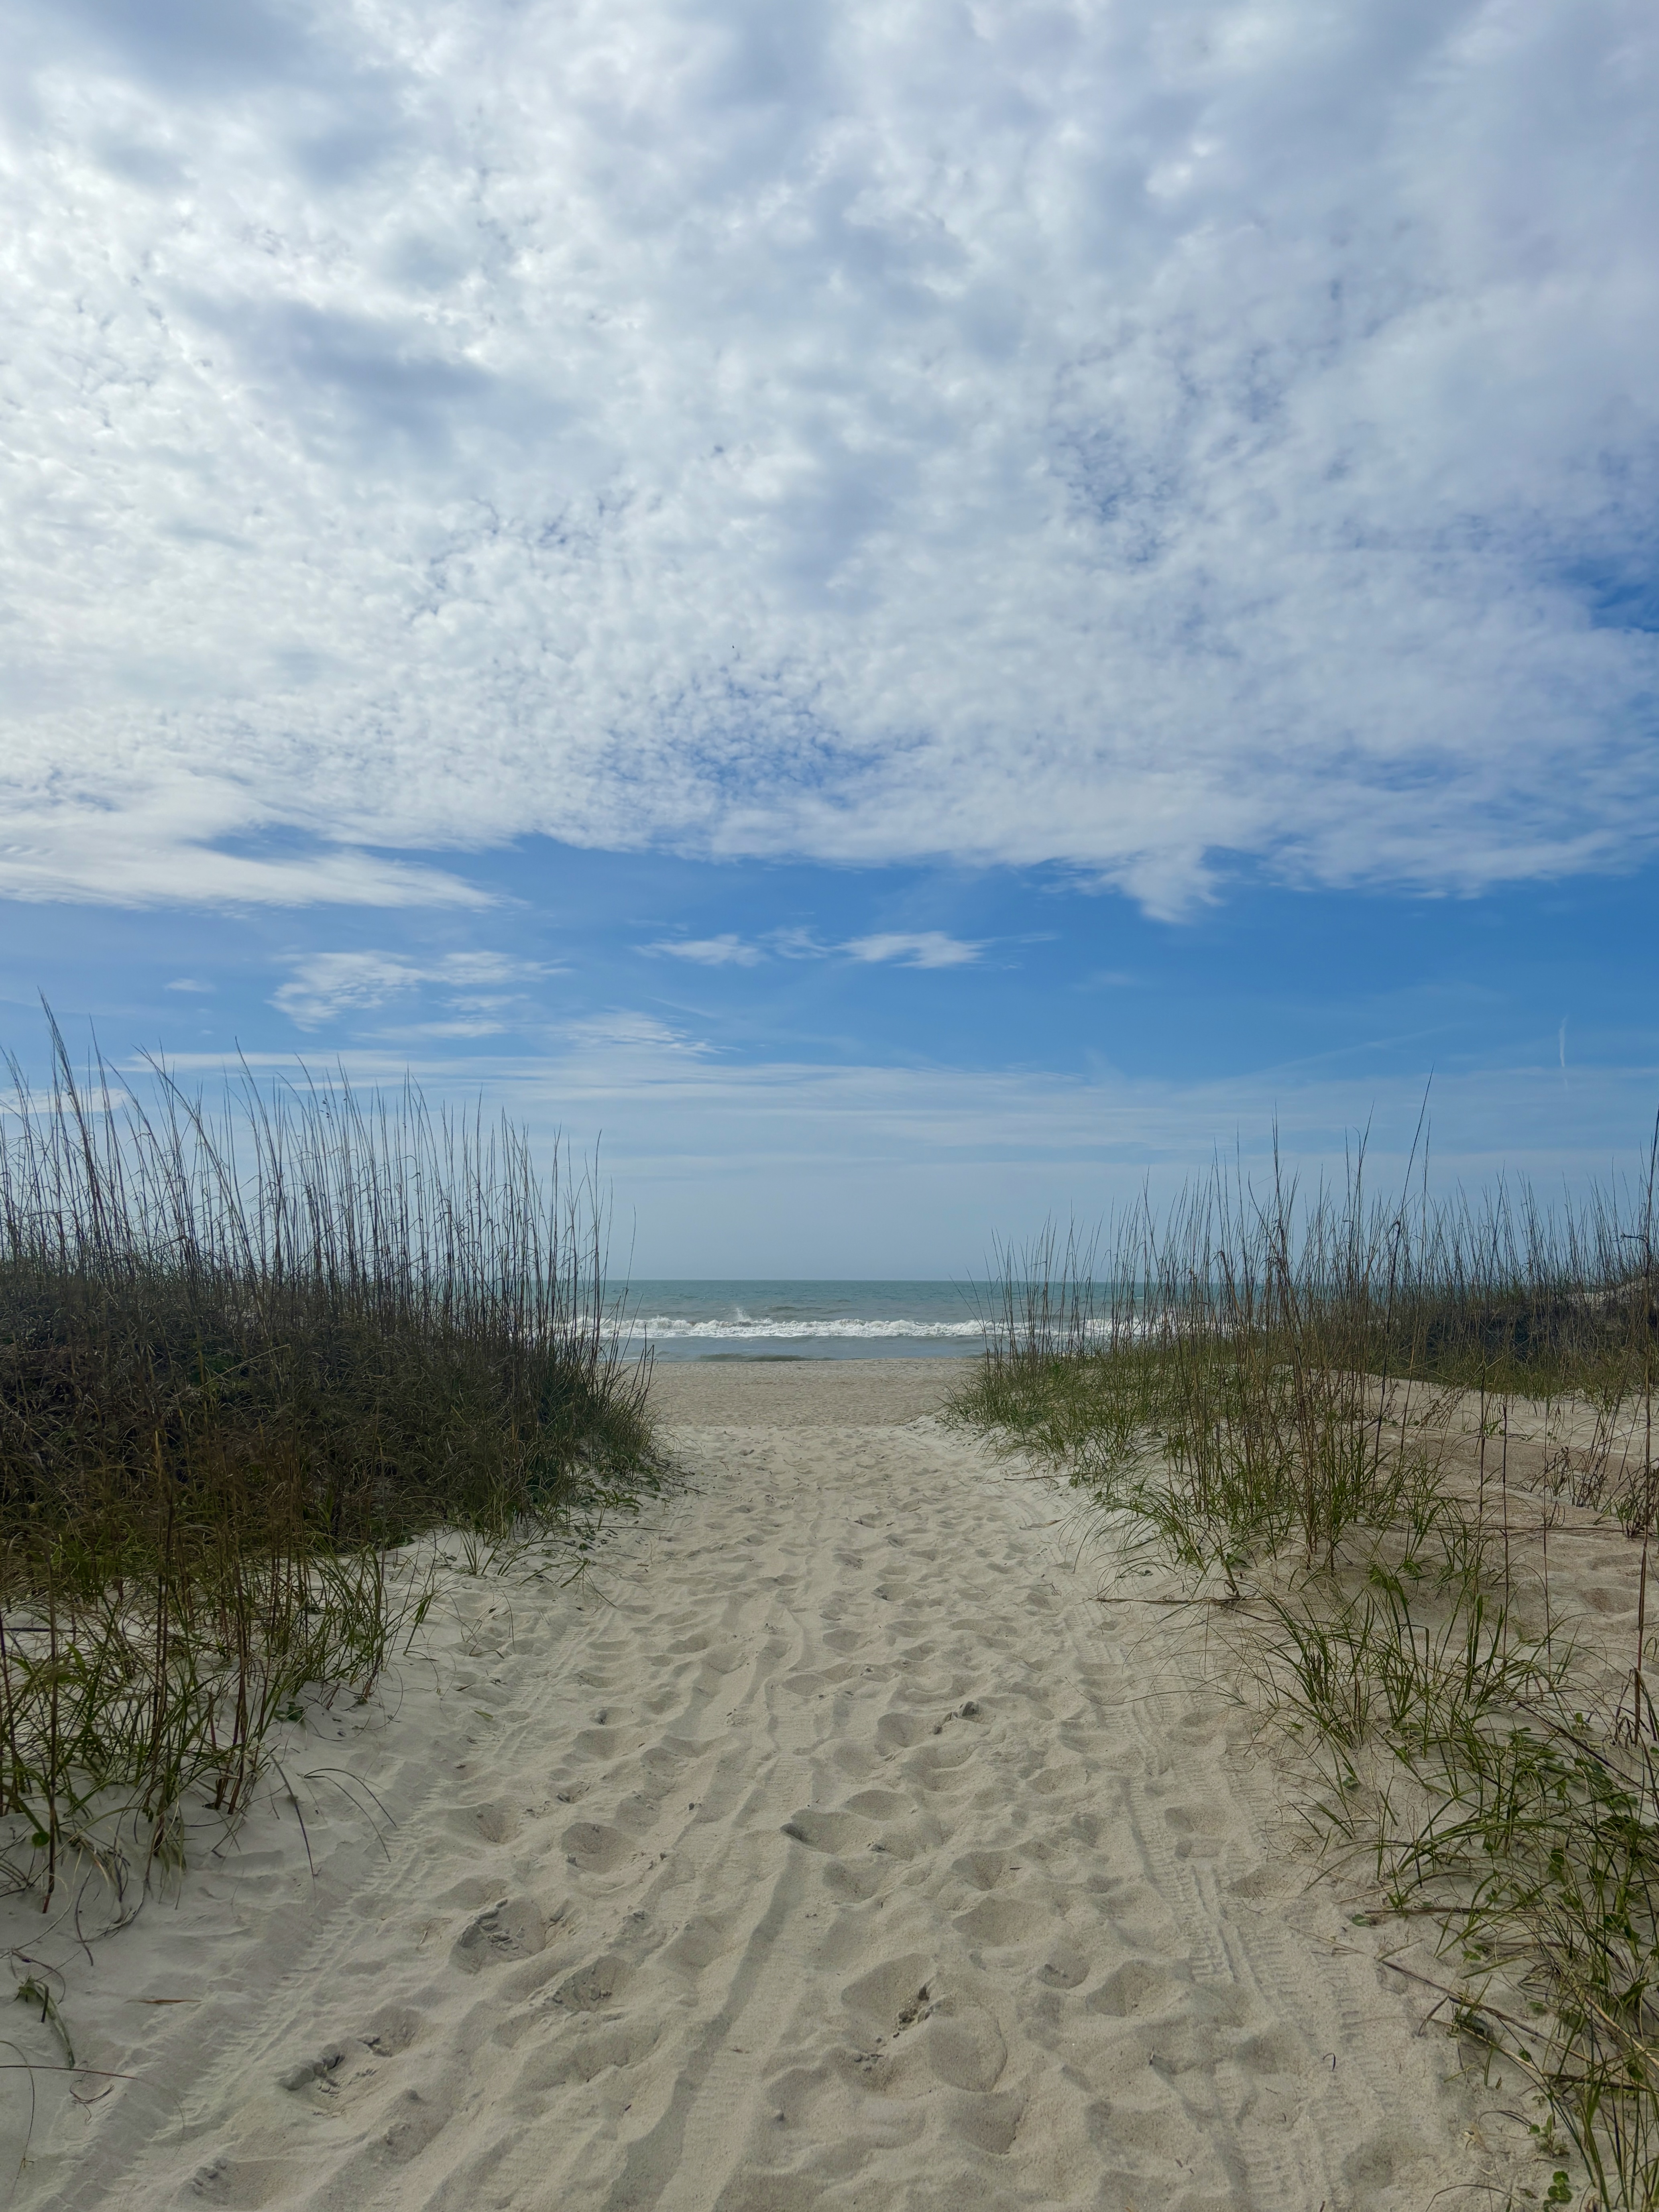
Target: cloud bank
{"x": 1132, "y": 437}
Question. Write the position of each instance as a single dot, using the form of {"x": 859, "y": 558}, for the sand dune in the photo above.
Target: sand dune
{"x": 831, "y": 1847}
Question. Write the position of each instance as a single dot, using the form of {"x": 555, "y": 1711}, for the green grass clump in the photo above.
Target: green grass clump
{"x": 1355, "y": 1423}
{"x": 244, "y": 1358}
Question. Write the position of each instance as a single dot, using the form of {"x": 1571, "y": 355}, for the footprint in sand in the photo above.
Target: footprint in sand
{"x": 1064, "y": 1966}
{"x": 1198, "y": 1831}
{"x": 497, "y": 1822}
{"x": 890, "y": 1996}
{"x": 593, "y": 1986}
{"x": 615, "y": 2046}
{"x": 594, "y": 1846}
{"x": 239, "y": 2183}
{"x": 418, "y": 2118}
{"x": 393, "y": 2030}
{"x": 965, "y": 2048}
{"x": 898, "y": 1731}
{"x": 997, "y": 1922}
{"x": 984, "y": 1870}
{"x": 836, "y": 1832}
{"x": 1135, "y": 1988}
{"x": 514, "y": 1929}
{"x": 700, "y": 1943}
{"x": 878, "y": 1804}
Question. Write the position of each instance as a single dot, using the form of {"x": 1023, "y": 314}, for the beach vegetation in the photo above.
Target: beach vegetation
{"x": 253, "y": 1360}
{"x": 1403, "y": 1447}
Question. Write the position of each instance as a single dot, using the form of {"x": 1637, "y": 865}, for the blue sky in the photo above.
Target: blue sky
{"x": 917, "y": 613}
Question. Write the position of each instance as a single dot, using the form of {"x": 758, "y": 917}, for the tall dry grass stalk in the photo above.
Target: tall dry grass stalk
{"x": 1353, "y": 1421}
{"x": 244, "y": 1356}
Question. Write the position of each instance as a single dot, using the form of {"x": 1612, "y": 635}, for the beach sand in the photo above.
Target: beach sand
{"x": 828, "y": 1845}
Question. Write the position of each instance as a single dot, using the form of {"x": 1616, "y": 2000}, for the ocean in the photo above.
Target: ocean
{"x": 805, "y": 1319}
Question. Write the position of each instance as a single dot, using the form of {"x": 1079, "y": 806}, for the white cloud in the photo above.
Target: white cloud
{"x": 1123, "y": 435}
{"x": 633, "y": 1034}
{"x": 326, "y": 985}
{"x": 478, "y": 1027}
{"x": 924, "y": 948}
{"x": 726, "y": 950}
{"x": 799, "y": 943}
{"x": 147, "y": 840}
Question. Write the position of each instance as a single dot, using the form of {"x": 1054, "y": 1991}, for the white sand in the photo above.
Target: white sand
{"x": 833, "y": 1847}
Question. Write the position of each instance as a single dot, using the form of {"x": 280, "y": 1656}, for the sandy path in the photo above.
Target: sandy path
{"x": 800, "y": 1393}
{"x": 835, "y": 1849}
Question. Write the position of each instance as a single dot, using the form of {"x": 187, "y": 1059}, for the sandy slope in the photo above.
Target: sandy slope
{"x": 832, "y": 1848}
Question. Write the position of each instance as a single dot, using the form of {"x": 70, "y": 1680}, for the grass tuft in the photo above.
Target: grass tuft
{"x": 247, "y": 1358}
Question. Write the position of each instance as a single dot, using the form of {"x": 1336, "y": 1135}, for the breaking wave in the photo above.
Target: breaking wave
{"x": 747, "y": 1329}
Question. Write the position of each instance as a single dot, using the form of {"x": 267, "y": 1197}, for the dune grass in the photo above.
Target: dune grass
{"x": 247, "y": 1359}
{"x": 1354, "y": 1425}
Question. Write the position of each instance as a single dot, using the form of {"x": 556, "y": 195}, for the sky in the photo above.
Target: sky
{"x": 904, "y": 616}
